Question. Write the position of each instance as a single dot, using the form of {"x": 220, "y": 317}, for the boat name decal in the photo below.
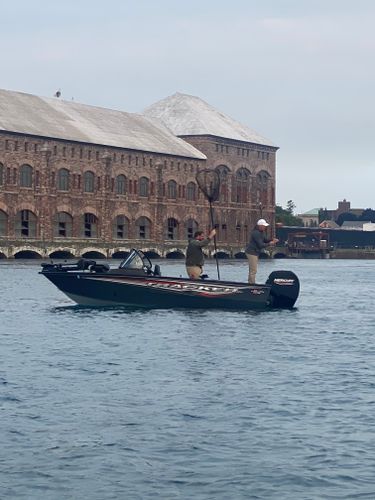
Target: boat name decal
{"x": 192, "y": 287}
{"x": 283, "y": 281}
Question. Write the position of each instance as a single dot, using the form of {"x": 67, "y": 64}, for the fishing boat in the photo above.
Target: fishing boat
{"x": 139, "y": 283}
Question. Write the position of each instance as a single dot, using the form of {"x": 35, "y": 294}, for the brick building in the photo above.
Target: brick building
{"x": 80, "y": 180}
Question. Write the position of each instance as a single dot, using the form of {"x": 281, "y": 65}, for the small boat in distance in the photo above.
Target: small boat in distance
{"x": 137, "y": 283}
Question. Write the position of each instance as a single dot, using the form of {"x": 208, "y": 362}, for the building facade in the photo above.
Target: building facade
{"x": 83, "y": 192}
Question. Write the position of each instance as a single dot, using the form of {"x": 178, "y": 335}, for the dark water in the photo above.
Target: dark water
{"x": 114, "y": 404}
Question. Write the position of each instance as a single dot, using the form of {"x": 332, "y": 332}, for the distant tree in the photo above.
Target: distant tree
{"x": 345, "y": 216}
{"x": 285, "y": 216}
{"x": 290, "y": 206}
{"x": 368, "y": 214}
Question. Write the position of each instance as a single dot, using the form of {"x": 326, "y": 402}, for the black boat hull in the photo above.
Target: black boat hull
{"x": 116, "y": 289}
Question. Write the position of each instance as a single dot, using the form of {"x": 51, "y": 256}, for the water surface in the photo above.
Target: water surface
{"x": 117, "y": 404}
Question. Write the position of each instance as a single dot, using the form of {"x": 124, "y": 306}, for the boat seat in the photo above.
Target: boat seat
{"x": 99, "y": 268}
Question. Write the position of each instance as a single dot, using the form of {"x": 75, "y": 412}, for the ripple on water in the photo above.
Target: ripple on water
{"x": 115, "y": 403}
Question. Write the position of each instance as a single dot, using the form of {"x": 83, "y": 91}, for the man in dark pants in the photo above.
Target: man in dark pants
{"x": 258, "y": 241}
{"x": 194, "y": 255}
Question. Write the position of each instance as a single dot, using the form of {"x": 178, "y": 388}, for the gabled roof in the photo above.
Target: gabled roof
{"x": 329, "y": 224}
{"x": 187, "y": 115}
{"x": 59, "y": 119}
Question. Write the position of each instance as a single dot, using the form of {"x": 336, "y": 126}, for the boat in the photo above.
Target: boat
{"x": 138, "y": 283}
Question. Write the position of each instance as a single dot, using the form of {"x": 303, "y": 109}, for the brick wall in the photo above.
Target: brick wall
{"x": 44, "y": 199}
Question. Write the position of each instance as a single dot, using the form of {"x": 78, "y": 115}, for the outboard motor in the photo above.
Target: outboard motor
{"x": 285, "y": 288}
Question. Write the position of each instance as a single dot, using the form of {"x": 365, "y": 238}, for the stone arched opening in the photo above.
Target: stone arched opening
{"x": 120, "y": 254}
{"x": 27, "y": 254}
{"x": 279, "y": 255}
{"x": 61, "y": 254}
{"x": 93, "y": 255}
{"x": 175, "y": 254}
{"x": 221, "y": 255}
{"x": 152, "y": 254}
{"x": 240, "y": 255}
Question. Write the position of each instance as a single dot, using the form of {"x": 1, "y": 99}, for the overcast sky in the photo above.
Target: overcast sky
{"x": 299, "y": 72}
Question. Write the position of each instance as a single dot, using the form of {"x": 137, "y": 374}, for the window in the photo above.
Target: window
{"x": 172, "y": 229}
{"x": 121, "y": 184}
{"x": 26, "y": 224}
{"x": 63, "y": 225}
{"x": 143, "y": 186}
{"x": 1, "y": 174}
{"x": 262, "y": 186}
{"x": 191, "y": 191}
{"x": 172, "y": 190}
{"x": 26, "y": 176}
{"x": 143, "y": 225}
{"x": 223, "y": 232}
{"x": 90, "y": 225}
{"x": 223, "y": 171}
{"x": 63, "y": 179}
{"x": 3, "y": 223}
{"x": 121, "y": 227}
{"x": 238, "y": 232}
{"x": 88, "y": 182}
{"x": 241, "y": 186}
{"x": 191, "y": 228}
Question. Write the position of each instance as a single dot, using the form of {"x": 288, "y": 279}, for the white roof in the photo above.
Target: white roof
{"x": 59, "y": 119}
{"x": 188, "y": 115}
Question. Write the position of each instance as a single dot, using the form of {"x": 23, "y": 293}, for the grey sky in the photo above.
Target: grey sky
{"x": 299, "y": 72}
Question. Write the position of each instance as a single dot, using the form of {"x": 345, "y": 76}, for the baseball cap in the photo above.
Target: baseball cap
{"x": 262, "y": 222}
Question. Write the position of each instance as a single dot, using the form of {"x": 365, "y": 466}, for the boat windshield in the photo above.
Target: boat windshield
{"x": 136, "y": 260}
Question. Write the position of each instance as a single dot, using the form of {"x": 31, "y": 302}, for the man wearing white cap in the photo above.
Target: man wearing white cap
{"x": 258, "y": 241}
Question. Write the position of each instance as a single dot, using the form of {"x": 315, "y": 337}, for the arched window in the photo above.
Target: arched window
{"x": 26, "y": 176}
{"x": 121, "y": 184}
{"x": 121, "y": 227}
{"x": 191, "y": 228}
{"x": 262, "y": 187}
{"x": 143, "y": 225}
{"x": 26, "y": 224}
{"x": 143, "y": 186}
{"x": 63, "y": 179}
{"x": 63, "y": 225}
{"x": 3, "y": 223}
{"x": 191, "y": 190}
{"x": 172, "y": 229}
{"x": 90, "y": 226}
{"x": 88, "y": 182}
{"x": 241, "y": 186}
{"x": 172, "y": 190}
{"x": 223, "y": 171}
{"x": 1, "y": 174}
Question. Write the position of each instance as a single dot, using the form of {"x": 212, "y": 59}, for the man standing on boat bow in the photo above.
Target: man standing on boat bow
{"x": 258, "y": 242}
{"x": 194, "y": 254}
